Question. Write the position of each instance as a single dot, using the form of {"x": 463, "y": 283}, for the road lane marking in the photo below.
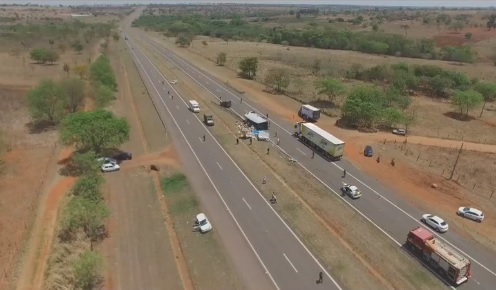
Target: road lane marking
{"x": 290, "y": 262}
{"x": 301, "y": 152}
{"x": 206, "y": 173}
{"x": 246, "y": 203}
{"x": 284, "y": 129}
{"x": 187, "y": 121}
{"x": 200, "y": 139}
{"x": 219, "y": 165}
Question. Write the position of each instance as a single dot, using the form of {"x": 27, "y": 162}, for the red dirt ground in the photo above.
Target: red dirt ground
{"x": 457, "y": 39}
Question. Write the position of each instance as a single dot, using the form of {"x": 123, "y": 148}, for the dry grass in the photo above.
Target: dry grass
{"x": 59, "y": 274}
{"x": 329, "y": 227}
{"x": 432, "y": 120}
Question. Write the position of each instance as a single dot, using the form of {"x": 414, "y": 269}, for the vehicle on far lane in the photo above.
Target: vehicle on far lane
{"x": 435, "y": 222}
{"x": 351, "y": 191}
{"x": 368, "y": 151}
{"x": 202, "y": 223}
{"x": 471, "y": 213}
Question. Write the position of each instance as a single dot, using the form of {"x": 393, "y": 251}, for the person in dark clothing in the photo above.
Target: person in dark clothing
{"x": 203, "y": 137}
{"x": 313, "y": 154}
{"x": 344, "y": 173}
{"x": 237, "y": 141}
{"x": 268, "y": 150}
{"x": 321, "y": 278}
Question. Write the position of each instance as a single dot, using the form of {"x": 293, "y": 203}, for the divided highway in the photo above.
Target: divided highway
{"x": 380, "y": 205}
{"x": 286, "y": 260}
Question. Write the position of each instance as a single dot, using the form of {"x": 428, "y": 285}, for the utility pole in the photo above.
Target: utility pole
{"x": 456, "y": 162}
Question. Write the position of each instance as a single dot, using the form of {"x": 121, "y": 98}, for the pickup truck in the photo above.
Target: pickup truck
{"x": 401, "y": 132}
{"x": 208, "y": 119}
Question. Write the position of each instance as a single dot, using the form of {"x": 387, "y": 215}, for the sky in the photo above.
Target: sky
{"x": 404, "y": 3}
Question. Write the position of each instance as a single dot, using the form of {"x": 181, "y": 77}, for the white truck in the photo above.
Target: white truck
{"x": 309, "y": 113}
{"x": 320, "y": 140}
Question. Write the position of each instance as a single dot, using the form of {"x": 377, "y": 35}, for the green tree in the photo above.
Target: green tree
{"x": 488, "y": 91}
{"x": 38, "y": 54}
{"x": 116, "y": 36}
{"x": 101, "y": 72}
{"x": 375, "y": 27}
{"x": 330, "y": 87}
{"x": 94, "y": 130}
{"x": 84, "y": 163}
{"x": 249, "y": 67}
{"x": 391, "y": 117}
{"x": 50, "y": 56}
{"x": 77, "y": 46}
{"x": 86, "y": 270}
{"x": 221, "y": 58}
{"x": 47, "y": 102}
{"x": 74, "y": 94}
{"x": 80, "y": 70}
{"x": 278, "y": 79}
{"x": 51, "y": 42}
{"x": 103, "y": 95}
{"x": 86, "y": 214}
{"x": 183, "y": 40}
{"x": 363, "y": 107}
{"x": 88, "y": 186}
{"x": 466, "y": 100}
{"x": 457, "y": 26}
{"x": 439, "y": 85}
{"x": 468, "y": 35}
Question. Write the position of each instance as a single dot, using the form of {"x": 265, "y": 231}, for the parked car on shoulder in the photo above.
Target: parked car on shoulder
{"x": 401, "y": 132}
{"x": 351, "y": 191}
{"x": 368, "y": 151}
{"x": 123, "y": 156}
{"x": 435, "y": 222}
{"x": 471, "y": 213}
{"x": 202, "y": 223}
{"x": 109, "y": 167}
{"x": 208, "y": 119}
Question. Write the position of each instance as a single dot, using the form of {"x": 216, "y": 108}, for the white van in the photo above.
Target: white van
{"x": 194, "y": 106}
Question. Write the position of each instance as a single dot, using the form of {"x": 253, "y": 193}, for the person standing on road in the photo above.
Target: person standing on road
{"x": 268, "y": 150}
{"x": 172, "y": 97}
{"x": 321, "y": 278}
{"x": 237, "y": 141}
{"x": 313, "y": 154}
{"x": 264, "y": 180}
{"x": 203, "y": 137}
{"x": 278, "y": 140}
{"x": 168, "y": 92}
{"x": 344, "y": 173}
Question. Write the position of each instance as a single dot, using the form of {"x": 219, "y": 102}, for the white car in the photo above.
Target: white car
{"x": 202, "y": 223}
{"x": 173, "y": 82}
{"x": 401, "y": 132}
{"x": 435, "y": 222}
{"x": 351, "y": 190}
{"x": 471, "y": 213}
{"x": 109, "y": 167}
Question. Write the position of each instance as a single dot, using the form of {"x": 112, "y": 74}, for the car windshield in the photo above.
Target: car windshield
{"x": 466, "y": 209}
{"x": 443, "y": 223}
{"x": 203, "y": 222}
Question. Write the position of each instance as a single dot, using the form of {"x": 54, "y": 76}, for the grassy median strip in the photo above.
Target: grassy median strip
{"x": 208, "y": 264}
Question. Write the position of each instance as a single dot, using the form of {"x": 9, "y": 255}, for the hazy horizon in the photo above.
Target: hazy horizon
{"x": 403, "y": 3}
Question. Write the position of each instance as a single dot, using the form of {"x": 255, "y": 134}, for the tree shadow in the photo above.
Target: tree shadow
{"x": 37, "y": 127}
{"x": 323, "y": 104}
{"x": 459, "y": 116}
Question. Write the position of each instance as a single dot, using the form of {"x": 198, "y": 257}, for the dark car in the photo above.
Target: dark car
{"x": 368, "y": 151}
{"x": 123, "y": 156}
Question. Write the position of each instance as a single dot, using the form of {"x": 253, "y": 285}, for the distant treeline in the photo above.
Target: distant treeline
{"x": 236, "y": 28}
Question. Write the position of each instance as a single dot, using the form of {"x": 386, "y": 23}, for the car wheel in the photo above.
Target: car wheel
{"x": 422, "y": 220}
{"x": 479, "y": 220}
{"x": 438, "y": 230}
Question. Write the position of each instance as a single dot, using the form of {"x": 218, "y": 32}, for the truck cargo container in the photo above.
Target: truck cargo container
{"x": 309, "y": 113}
{"x": 320, "y": 140}
{"x": 450, "y": 264}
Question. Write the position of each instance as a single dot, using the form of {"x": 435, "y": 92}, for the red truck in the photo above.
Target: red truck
{"x": 447, "y": 262}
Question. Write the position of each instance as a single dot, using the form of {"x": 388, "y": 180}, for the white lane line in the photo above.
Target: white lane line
{"x": 219, "y": 165}
{"x": 200, "y": 139}
{"x": 301, "y": 151}
{"x": 290, "y": 262}
{"x": 246, "y": 203}
{"x": 205, "y": 171}
{"x": 284, "y": 129}
{"x": 187, "y": 121}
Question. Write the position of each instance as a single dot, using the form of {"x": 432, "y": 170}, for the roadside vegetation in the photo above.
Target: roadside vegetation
{"x": 234, "y": 27}
{"x": 74, "y": 261}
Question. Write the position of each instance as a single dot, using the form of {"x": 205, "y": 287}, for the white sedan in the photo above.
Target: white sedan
{"x": 202, "y": 223}
{"x": 435, "y": 222}
{"x": 109, "y": 167}
{"x": 351, "y": 190}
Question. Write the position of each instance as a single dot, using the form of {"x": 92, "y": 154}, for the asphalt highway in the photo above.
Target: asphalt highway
{"x": 285, "y": 259}
{"x": 385, "y": 210}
